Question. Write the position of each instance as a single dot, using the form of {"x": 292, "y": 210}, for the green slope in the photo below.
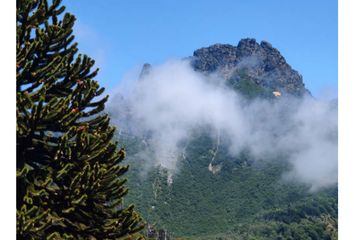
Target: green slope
{"x": 245, "y": 198}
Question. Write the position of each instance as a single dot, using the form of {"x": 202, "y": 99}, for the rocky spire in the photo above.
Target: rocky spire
{"x": 262, "y": 63}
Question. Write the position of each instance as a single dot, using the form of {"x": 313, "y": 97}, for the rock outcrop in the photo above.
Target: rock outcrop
{"x": 261, "y": 64}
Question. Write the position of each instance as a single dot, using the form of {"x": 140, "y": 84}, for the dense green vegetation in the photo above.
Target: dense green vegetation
{"x": 241, "y": 82}
{"x": 70, "y": 180}
{"x": 321, "y": 228}
{"x": 246, "y": 199}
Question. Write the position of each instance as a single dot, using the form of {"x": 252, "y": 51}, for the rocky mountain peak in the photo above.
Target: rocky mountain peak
{"x": 211, "y": 58}
{"x": 262, "y": 64}
{"x": 145, "y": 70}
{"x": 247, "y": 47}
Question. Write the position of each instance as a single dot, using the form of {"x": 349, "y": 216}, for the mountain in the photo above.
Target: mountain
{"x": 261, "y": 64}
{"x": 219, "y": 195}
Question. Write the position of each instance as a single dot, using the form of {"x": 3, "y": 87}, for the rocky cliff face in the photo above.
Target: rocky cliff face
{"x": 261, "y": 64}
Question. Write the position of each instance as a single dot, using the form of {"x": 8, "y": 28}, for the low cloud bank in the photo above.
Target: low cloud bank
{"x": 173, "y": 99}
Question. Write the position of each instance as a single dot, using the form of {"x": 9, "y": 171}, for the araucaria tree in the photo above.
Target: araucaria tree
{"x": 69, "y": 175}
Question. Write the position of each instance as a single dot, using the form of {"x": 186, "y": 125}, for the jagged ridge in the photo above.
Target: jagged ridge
{"x": 261, "y": 63}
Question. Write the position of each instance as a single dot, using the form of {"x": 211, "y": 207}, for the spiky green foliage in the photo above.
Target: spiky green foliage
{"x": 69, "y": 179}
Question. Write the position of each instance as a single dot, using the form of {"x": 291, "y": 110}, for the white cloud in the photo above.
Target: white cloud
{"x": 173, "y": 99}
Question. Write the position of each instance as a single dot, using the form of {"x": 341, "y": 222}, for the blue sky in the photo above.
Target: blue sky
{"x": 123, "y": 34}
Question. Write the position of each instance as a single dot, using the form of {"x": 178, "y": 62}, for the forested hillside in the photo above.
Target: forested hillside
{"x": 242, "y": 199}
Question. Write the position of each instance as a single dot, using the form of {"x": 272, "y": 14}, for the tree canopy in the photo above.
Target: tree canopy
{"x": 70, "y": 180}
